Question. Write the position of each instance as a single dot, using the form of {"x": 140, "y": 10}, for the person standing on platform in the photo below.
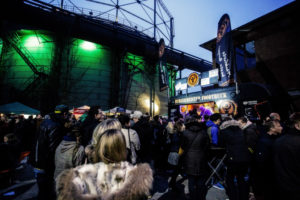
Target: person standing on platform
{"x": 49, "y": 135}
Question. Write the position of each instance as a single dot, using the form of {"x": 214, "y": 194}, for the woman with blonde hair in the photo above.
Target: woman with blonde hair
{"x": 103, "y": 126}
{"x": 98, "y": 131}
{"x": 112, "y": 178}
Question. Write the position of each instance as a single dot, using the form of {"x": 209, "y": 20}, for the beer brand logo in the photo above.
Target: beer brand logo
{"x": 193, "y": 79}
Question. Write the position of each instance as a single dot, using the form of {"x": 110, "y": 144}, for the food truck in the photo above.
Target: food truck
{"x": 248, "y": 99}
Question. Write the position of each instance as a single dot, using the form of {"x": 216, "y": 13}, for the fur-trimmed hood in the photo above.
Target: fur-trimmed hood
{"x": 229, "y": 123}
{"x": 247, "y": 125}
{"x": 117, "y": 181}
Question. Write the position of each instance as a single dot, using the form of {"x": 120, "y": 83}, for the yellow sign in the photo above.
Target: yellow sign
{"x": 193, "y": 79}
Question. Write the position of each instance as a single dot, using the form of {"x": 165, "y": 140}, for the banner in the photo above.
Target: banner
{"x": 163, "y": 72}
{"x": 224, "y": 52}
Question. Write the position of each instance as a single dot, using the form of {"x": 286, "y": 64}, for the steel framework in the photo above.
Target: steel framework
{"x": 150, "y": 17}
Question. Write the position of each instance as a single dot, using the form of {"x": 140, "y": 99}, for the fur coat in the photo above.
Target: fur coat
{"x": 117, "y": 181}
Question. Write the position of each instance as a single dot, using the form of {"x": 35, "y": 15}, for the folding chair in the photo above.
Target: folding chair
{"x": 215, "y": 164}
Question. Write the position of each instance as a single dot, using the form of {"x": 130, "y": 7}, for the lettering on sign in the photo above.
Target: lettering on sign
{"x": 202, "y": 98}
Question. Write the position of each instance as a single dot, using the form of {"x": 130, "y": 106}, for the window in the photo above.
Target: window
{"x": 245, "y": 56}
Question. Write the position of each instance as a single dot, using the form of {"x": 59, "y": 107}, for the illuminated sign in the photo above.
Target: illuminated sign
{"x": 193, "y": 79}
{"x": 180, "y": 84}
{"x": 209, "y": 78}
{"x": 210, "y": 97}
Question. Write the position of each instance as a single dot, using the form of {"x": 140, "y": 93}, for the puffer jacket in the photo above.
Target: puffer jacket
{"x": 118, "y": 181}
{"x": 232, "y": 138}
{"x": 195, "y": 144}
{"x": 67, "y": 155}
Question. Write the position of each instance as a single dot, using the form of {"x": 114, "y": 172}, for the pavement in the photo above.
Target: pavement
{"x": 25, "y": 187}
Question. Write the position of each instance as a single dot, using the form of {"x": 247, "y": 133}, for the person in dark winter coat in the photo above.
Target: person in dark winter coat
{"x": 89, "y": 124}
{"x": 251, "y": 136}
{"x": 159, "y": 142}
{"x": 176, "y": 140}
{"x": 250, "y": 133}
{"x": 237, "y": 160}
{"x": 50, "y": 134}
{"x": 264, "y": 177}
{"x": 287, "y": 161}
{"x": 145, "y": 132}
{"x": 195, "y": 145}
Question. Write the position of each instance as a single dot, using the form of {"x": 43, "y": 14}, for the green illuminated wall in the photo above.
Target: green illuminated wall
{"x": 85, "y": 71}
{"x": 140, "y": 87}
{"x": 18, "y": 74}
{"x": 1, "y": 46}
{"x": 90, "y": 74}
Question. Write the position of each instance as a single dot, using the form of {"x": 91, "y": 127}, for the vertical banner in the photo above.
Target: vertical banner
{"x": 163, "y": 72}
{"x": 224, "y": 52}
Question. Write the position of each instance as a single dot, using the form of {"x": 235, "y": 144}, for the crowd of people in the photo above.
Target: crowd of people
{"x": 117, "y": 157}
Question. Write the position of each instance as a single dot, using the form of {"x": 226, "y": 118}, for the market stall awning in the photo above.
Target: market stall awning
{"x": 17, "y": 108}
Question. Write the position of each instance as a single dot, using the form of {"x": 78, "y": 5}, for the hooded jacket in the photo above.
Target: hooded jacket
{"x": 115, "y": 181}
{"x": 233, "y": 139}
{"x": 213, "y": 132}
{"x": 67, "y": 155}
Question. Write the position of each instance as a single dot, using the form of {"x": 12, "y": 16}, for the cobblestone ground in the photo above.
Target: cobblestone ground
{"x": 25, "y": 187}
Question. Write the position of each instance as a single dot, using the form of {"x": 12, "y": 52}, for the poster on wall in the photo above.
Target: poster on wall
{"x": 224, "y": 52}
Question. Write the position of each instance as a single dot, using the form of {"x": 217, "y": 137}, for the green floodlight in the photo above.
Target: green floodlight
{"x": 33, "y": 41}
{"x": 88, "y": 45}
